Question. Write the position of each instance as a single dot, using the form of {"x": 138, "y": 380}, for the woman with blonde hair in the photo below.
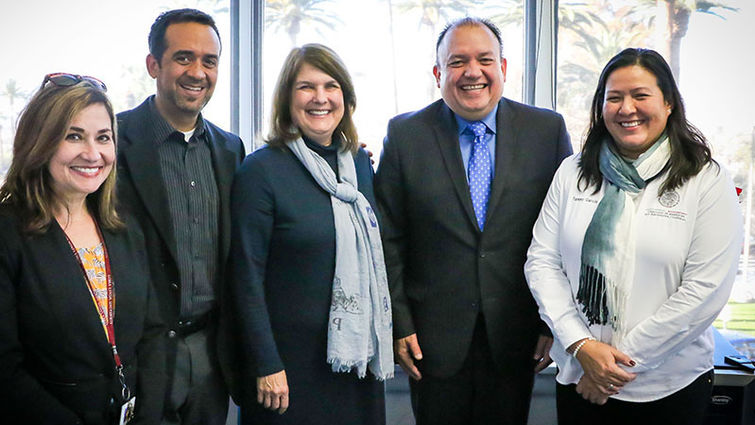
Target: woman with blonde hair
{"x": 307, "y": 265}
{"x": 80, "y": 339}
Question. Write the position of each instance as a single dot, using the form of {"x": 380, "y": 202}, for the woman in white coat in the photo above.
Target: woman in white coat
{"x": 634, "y": 254}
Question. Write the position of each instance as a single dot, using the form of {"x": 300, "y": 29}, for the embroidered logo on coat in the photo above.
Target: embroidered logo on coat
{"x": 669, "y": 198}
{"x": 371, "y": 215}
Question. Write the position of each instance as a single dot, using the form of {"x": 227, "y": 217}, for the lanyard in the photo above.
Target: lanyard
{"x": 105, "y": 316}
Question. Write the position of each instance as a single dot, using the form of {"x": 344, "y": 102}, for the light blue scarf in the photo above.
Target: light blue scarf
{"x": 360, "y": 334}
{"x": 608, "y": 250}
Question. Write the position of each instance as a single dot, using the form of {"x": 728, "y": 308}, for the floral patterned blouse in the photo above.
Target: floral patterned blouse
{"x": 93, "y": 260}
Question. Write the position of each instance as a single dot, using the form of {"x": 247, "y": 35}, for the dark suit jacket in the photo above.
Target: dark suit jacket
{"x": 282, "y": 267}
{"x": 442, "y": 270}
{"x": 56, "y": 366}
{"x": 141, "y": 191}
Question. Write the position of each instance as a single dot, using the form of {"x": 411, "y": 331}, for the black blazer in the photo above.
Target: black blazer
{"x": 442, "y": 270}
{"x": 281, "y": 272}
{"x": 56, "y": 366}
{"x": 142, "y": 193}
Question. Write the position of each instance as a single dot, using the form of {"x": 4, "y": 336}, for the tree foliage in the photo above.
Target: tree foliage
{"x": 289, "y": 16}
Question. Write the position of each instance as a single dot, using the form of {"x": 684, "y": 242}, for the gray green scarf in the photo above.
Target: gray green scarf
{"x": 608, "y": 250}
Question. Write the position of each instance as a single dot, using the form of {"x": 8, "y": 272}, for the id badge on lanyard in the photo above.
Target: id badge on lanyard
{"x": 127, "y": 409}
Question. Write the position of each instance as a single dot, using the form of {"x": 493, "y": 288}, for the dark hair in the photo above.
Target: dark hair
{"x": 41, "y": 127}
{"x": 469, "y": 21}
{"x": 156, "y": 37}
{"x": 689, "y": 150}
{"x": 282, "y": 128}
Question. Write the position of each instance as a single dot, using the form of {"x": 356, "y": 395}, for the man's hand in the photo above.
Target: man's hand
{"x": 592, "y": 392}
{"x": 542, "y": 352}
{"x": 272, "y": 391}
{"x": 407, "y": 351}
{"x": 600, "y": 363}
{"x": 369, "y": 152}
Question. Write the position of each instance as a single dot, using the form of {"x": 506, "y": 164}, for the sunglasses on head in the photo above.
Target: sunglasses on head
{"x": 63, "y": 79}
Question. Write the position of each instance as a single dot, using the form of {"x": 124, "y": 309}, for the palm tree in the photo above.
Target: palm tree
{"x": 5, "y": 158}
{"x": 591, "y": 39}
{"x": 507, "y": 12}
{"x": 291, "y": 15}
{"x": 433, "y": 13}
{"x": 675, "y": 15}
{"x": 139, "y": 84}
{"x": 12, "y": 92}
{"x": 600, "y": 39}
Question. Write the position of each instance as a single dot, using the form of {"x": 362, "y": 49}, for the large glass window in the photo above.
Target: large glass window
{"x": 706, "y": 43}
{"x": 388, "y": 47}
{"x": 105, "y": 39}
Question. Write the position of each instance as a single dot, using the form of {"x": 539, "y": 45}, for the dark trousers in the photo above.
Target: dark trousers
{"x": 198, "y": 395}
{"x": 477, "y": 394}
{"x": 684, "y": 407}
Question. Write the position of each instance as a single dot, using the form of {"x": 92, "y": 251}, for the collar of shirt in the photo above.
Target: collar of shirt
{"x": 163, "y": 129}
{"x": 466, "y": 139}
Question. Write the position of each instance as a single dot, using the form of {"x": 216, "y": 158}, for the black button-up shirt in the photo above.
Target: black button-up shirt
{"x": 193, "y": 199}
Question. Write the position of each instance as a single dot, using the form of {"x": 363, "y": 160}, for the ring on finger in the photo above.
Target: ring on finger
{"x": 610, "y": 386}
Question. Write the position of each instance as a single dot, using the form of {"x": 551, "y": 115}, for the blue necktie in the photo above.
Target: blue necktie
{"x": 479, "y": 172}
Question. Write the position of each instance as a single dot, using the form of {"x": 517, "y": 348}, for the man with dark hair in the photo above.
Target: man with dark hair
{"x": 459, "y": 186}
{"x": 156, "y": 38}
{"x": 175, "y": 172}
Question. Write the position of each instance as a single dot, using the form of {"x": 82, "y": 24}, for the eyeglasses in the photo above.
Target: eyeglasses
{"x": 63, "y": 79}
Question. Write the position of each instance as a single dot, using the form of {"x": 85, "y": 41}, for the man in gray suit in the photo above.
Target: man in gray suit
{"x": 459, "y": 187}
{"x": 175, "y": 170}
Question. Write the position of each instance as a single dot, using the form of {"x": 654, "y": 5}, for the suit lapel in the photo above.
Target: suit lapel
{"x": 143, "y": 162}
{"x": 224, "y": 164}
{"x": 504, "y": 154}
{"x": 68, "y": 293}
{"x": 448, "y": 142}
